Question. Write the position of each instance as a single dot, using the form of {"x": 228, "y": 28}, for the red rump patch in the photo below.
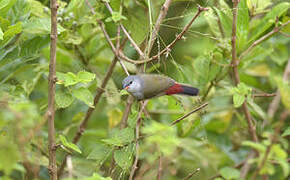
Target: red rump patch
{"x": 175, "y": 89}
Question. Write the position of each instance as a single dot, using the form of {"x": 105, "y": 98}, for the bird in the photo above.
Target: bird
{"x": 146, "y": 86}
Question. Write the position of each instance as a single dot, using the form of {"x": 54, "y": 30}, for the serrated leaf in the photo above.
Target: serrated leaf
{"x": 230, "y": 173}
{"x": 238, "y": 100}
{"x": 258, "y": 109}
{"x": 84, "y": 95}
{"x": 121, "y": 137}
{"x": 124, "y": 157}
{"x": 286, "y": 132}
{"x": 85, "y": 77}
{"x": 257, "y": 146}
{"x": 5, "y": 5}
{"x": 69, "y": 145}
{"x": 63, "y": 99}
{"x": 100, "y": 153}
{"x": 40, "y": 26}
{"x": 70, "y": 79}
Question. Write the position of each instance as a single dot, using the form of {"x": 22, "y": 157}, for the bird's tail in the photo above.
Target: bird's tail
{"x": 188, "y": 90}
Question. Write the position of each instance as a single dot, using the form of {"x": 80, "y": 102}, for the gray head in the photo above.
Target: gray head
{"x": 133, "y": 84}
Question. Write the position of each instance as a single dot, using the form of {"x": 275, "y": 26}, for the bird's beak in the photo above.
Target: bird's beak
{"x": 126, "y": 87}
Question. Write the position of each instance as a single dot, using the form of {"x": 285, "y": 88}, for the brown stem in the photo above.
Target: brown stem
{"x": 162, "y": 15}
{"x": 251, "y": 128}
{"x": 264, "y": 95}
{"x": 137, "y": 131}
{"x": 188, "y": 114}
{"x": 125, "y": 116}
{"x": 159, "y": 173}
{"x": 273, "y": 141}
{"x": 51, "y": 92}
{"x": 191, "y": 174}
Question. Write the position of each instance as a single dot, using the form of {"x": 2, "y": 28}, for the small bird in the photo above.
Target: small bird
{"x": 146, "y": 86}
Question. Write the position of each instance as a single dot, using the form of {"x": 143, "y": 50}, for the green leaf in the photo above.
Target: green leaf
{"x": 100, "y": 153}
{"x": 84, "y": 95}
{"x": 5, "y": 5}
{"x": 69, "y": 145}
{"x": 230, "y": 173}
{"x": 257, "y": 146}
{"x": 11, "y": 32}
{"x": 257, "y": 109}
{"x": 286, "y": 132}
{"x": 285, "y": 166}
{"x": 63, "y": 98}
{"x": 85, "y": 77}
{"x": 40, "y": 26}
{"x": 121, "y": 138}
{"x": 226, "y": 21}
{"x": 284, "y": 89}
{"x": 115, "y": 116}
{"x": 124, "y": 157}
{"x": 269, "y": 20}
{"x": 70, "y": 79}
{"x": 1, "y": 34}
{"x": 242, "y": 25}
{"x": 74, "y": 4}
{"x": 117, "y": 16}
{"x": 37, "y": 8}
{"x": 238, "y": 100}
{"x": 96, "y": 176}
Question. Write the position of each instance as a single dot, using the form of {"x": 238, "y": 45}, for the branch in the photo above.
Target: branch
{"x": 191, "y": 174}
{"x": 162, "y": 15}
{"x": 125, "y": 116}
{"x": 52, "y": 168}
{"x": 264, "y": 95}
{"x": 159, "y": 173}
{"x": 263, "y": 38}
{"x": 188, "y": 114}
{"x": 273, "y": 141}
{"x": 126, "y": 33}
{"x": 178, "y": 37}
{"x": 273, "y": 107}
{"x": 251, "y": 128}
{"x": 138, "y": 124}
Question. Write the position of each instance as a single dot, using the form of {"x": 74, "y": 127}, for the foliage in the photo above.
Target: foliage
{"x": 214, "y": 139}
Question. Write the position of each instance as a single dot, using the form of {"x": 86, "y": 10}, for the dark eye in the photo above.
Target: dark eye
{"x": 130, "y": 82}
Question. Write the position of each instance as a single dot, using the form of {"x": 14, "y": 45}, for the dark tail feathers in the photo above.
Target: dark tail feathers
{"x": 188, "y": 90}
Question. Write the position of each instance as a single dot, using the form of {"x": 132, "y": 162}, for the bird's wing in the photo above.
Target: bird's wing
{"x": 155, "y": 85}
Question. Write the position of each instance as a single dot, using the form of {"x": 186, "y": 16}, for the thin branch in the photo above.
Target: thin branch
{"x": 263, "y": 38}
{"x": 251, "y": 128}
{"x": 191, "y": 174}
{"x": 264, "y": 95}
{"x": 137, "y": 131}
{"x": 125, "y": 116}
{"x": 159, "y": 173}
{"x": 273, "y": 107}
{"x": 126, "y": 33}
{"x": 247, "y": 165}
{"x": 162, "y": 15}
{"x": 178, "y": 37}
{"x": 188, "y": 114}
{"x": 52, "y": 167}
{"x": 273, "y": 141}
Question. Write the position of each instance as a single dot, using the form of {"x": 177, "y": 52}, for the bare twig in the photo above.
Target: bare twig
{"x": 125, "y": 116}
{"x": 247, "y": 166}
{"x": 126, "y": 33}
{"x": 138, "y": 124}
{"x": 159, "y": 173}
{"x": 178, "y": 37}
{"x": 159, "y": 20}
{"x": 191, "y": 174}
{"x": 264, "y": 95}
{"x": 51, "y": 92}
{"x": 188, "y": 114}
{"x": 251, "y": 127}
{"x": 273, "y": 107}
{"x": 263, "y": 38}
{"x": 273, "y": 140}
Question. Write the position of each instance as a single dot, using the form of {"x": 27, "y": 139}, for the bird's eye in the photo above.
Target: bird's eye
{"x": 131, "y": 82}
